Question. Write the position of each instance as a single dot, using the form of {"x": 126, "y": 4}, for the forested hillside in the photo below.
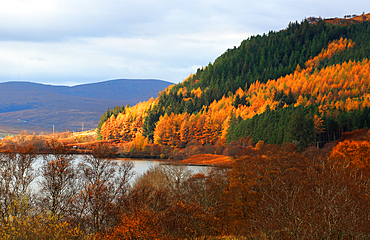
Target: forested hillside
{"x": 305, "y": 84}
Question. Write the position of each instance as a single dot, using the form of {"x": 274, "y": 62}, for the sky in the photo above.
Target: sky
{"x": 71, "y": 42}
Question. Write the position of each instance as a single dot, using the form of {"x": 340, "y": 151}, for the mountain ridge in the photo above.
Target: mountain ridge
{"x": 37, "y": 107}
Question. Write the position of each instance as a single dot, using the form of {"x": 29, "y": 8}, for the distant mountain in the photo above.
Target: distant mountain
{"x": 37, "y": 107}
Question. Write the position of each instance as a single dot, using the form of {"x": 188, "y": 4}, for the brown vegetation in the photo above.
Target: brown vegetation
{"x": 267, "y": 192}
{"x": 208, "y": 159}
{"x": 270, "y": 192}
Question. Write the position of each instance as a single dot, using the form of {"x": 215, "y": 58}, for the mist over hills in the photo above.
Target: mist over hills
{"x": 37, "y": 107}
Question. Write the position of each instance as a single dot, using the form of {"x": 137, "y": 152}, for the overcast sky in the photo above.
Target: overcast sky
{"x": 69, "y": 42}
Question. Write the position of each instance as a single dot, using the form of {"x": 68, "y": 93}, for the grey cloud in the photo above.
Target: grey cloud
{"x": 75, "y": 19}
{"x": 69, "y": 41}
{"x": 129, "y": 19}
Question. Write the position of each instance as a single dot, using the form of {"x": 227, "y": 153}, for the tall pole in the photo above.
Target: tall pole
{"x": 53, "y": 130}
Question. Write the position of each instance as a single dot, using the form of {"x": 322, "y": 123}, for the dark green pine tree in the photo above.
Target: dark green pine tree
{"x": 232, "y": 133}
{"x": 104, "y": 117}
{"x": 150, "y": 120}
{"x": 301, "y": 129}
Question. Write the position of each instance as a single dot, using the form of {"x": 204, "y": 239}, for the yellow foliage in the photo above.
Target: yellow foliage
{"x": 139, "y": 142}
{"x": 39, "y": 227}
{"x": 239, "y": 92}
{"x": 128, "y": 123}
{"x": 300, "y": 101}
{"x": 197, "y": 92}
{"x": 182, "y": 91}
{"x": 168, "y": 89}
{"x": 259, "y": 145}
{"x": 352, "y": 104}
{"x": 334, "y": 47}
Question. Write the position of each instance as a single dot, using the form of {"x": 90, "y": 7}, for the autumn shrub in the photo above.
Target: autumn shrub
{"x": 186, "y": 221}
{"x": 139, "y": 224}
{"x": 122, "y": 150}
{"x": 40, "y": 226}
{"x": 39, "y": 143}
{"x": 209, "y": 148}
{"x": 219, "y": 147}
{"x": 233, "y": 148}
{"x": 157, "y": 211}
{"x": 196, "y": 149}
{"x": 166, "y": 150}
{"x": 155, "y": 150}
{"x": 178, "y": 154}
{"x": 104, "y": 185}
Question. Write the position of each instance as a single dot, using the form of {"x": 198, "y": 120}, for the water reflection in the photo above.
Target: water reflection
{"x": 140, "y": 167}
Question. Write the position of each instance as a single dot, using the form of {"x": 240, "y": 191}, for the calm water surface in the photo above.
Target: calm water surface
{"x": 140, "y": 166}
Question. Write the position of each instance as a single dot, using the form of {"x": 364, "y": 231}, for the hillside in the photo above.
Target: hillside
{"x": 270, "y": 79}
{"x": 261, "y": 58}
{"x": 349, "y": 19}
{"x": 36, "y": 107}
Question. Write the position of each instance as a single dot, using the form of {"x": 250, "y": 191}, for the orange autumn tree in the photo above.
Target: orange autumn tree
{"x": 206, "y": 127}
{"x": 353, "y": 153}
{"x": 128, "y": 123}
{"x": 140, "y": 224}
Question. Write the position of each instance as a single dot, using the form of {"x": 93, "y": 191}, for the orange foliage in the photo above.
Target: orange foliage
{"x": 343, "y": 87}
{"x": 197, "y": 92}
{"x": 182, "y": 91}
{"x": 208, "y": 159}
{"x": 128, "y": 123}
{"x": 319, "y": 126}
{"x": 140, "y": 225}
{"x": 353, "y": 153}
{"x": 207, "y": 126}
{"x": 334, "y": 47}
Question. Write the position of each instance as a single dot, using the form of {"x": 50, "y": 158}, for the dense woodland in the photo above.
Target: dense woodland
{"x": 290, "y": 110}
{"x": 313, "y": 105}
{"x": 261, "y": 58}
